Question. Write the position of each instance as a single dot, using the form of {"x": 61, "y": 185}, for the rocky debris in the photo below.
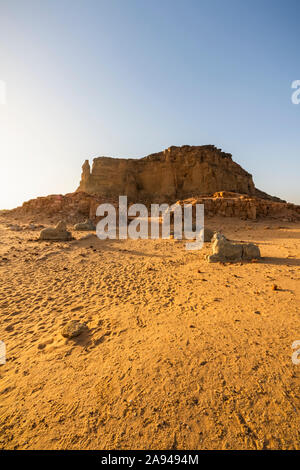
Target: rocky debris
{"x": 19, "y": 228}
{"x": 72, "y": 329}
{"x": 243, "y": 206}
{"x": 59, "y": 233}
{"x": 15, "y": 228}
{"x": 86, "y": 225}
{"x": 71, "y": 207}
{"x": 227, "y": 251}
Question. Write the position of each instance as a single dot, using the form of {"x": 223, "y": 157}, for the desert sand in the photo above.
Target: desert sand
{"x": 177, "y": 353}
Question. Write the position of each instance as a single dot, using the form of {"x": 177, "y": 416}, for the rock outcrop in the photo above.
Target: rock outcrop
{"x": 176, "y": 172}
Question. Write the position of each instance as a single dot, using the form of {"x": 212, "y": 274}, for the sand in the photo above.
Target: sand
{"x": 177, "y": 353}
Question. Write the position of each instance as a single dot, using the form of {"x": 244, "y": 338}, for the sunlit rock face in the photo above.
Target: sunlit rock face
{"x": 177, "y": 172}
{"x": 186, "y": 175}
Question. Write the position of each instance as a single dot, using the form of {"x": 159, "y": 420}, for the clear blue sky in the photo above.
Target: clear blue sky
{"x": 128, "y": 78}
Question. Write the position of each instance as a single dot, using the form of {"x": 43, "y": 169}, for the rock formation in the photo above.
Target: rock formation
{"x": 59, "y": 233}
{"x": 175, "y": 173}
{"x": 187, "y": 174}
{"x": 227, "y": 251}
{"x": 75, "y": 207}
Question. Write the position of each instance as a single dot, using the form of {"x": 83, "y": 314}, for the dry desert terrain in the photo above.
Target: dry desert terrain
{"x": 177, "y": 353}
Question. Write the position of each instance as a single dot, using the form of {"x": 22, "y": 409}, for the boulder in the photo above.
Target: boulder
{"x": 224, "y": 250}
{"x": 227, "y": 251}
{"x": 59, "y": 233}
{"x": 86, "y": 225}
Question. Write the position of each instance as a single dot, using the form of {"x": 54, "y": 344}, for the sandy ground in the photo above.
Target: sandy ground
{"x": 178, "y": 353}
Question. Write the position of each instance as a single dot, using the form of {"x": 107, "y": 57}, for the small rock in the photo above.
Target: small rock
{"x": 15, "y": 228}
{"x": 72, "y": 328}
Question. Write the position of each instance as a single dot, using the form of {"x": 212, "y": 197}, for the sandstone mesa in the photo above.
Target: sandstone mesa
{"x": 187, "y": 174}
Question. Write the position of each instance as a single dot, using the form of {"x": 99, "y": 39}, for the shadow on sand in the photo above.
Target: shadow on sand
{"x": 280, "y": 261}
{"x": 95, "y": 243}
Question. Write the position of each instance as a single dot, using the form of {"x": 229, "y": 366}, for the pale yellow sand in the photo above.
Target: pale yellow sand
{"x": 173, "y": 358}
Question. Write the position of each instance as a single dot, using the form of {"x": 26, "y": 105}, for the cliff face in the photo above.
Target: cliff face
{"x": 203, "y": 175}
{"x": 175, "y": 173}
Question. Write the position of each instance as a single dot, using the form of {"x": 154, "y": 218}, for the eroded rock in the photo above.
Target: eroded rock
{"x": 187, "y": 174}
{"x": 86, "y": 225}
{"x": 227, "y": 251}
{"x": 176, "y": 172}
{"x": 250, "y": 251}
{"x": 59, "y": 233}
